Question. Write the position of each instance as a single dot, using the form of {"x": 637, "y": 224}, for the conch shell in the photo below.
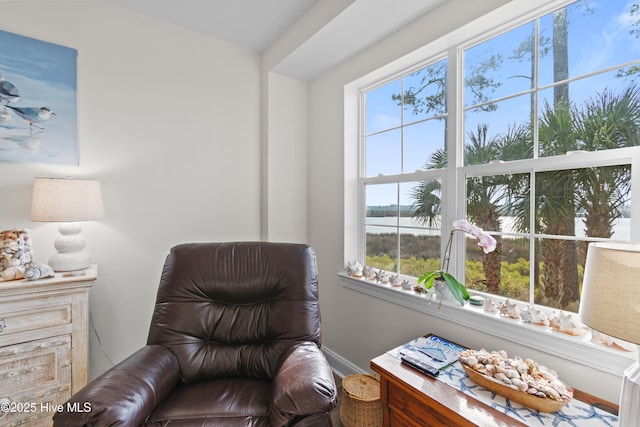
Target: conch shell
{"x": 509, "y": 309}
{"x": 13, "y": 273}
{"x": 534, "y": 315}
{"x": 565, "y": 322}
{"x": 354, "y": 269}
{"x": 490, "y": 306}
{"x": 38, "y": 271}
{"x": 369, "y": 272}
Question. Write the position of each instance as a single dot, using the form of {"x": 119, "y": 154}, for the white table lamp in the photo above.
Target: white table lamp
{"x": 67, "y": 201}
{"x": 610, "y": 303}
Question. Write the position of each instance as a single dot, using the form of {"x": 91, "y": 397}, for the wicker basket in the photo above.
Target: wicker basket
{"x": 361, "y": 405}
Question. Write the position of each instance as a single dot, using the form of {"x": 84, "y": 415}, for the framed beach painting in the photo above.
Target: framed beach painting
{"x": 38, "y": 84}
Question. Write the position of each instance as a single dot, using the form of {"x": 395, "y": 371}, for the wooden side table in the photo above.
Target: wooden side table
{"x": 410, "y": 398}
{"x": 44, "y": 344}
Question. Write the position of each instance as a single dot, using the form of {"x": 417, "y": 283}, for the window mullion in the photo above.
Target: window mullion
{"x": 454, "y": 188}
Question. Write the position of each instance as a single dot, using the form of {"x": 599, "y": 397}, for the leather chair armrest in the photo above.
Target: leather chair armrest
{"x": 303, "y": 385}
{"x": 124, "y": 395}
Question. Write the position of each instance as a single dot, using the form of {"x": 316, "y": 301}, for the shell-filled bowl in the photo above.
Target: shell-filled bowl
{"x": 521, "y": 381}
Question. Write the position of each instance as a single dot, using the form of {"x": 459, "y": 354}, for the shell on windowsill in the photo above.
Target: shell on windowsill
{"x": 609, "y": 341}
{"x": 535, "y": 316}
{"x": 566, "y": 323}
{"x": 354, "y": 269}
{"x": 383, "y": 277}
{"x": 395, "y": 280}
{"x": 509, "y": 309}
{"x": 490, "y": 307}
{"x": 369, "y": 272}
{"x": 406, "y": 285}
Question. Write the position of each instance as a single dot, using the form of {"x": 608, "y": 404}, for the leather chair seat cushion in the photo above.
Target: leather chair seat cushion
{"x": 228, "y": 401}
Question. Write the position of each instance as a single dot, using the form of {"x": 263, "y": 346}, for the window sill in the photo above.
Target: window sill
{"x": 578, "y": 349}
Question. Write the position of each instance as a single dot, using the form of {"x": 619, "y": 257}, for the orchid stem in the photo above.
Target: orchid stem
{"x": 447, "y": 254}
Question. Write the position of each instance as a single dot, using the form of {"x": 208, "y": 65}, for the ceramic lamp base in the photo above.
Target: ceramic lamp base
{"x": 70, "y": 246}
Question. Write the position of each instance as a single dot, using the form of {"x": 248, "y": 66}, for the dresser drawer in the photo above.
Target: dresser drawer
{"x": 405, "y": 406}
{"x": 14, "y": 320}
{"x": 35, "y": 377}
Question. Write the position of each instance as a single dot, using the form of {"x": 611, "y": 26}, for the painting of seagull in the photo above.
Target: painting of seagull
{"x": 36, "y": 79}
{"x": 8, "y": 91}
{"x": 33, "y": 114}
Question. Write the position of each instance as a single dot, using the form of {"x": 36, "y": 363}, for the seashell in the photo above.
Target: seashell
{"x": 13, "y": 273}
{"x": 15, "y": 248}
{"x": 383, "y": 277}
{"x": 609, "y": 341}
{"x": 369, "y": 272}
{"x": 354, "y": 268}
{"x": 521, "y": 385}
{"x": 490, "y": 307}
{"x": 38, "y": 271}
{"x": 469, "y": 360}
{"x": 502, "y": 377}
{"x": 565, "y": 322}
{"x": 534, "y": 315}
{"x": 509, "y": 309}
{"x": 395, "y": 280}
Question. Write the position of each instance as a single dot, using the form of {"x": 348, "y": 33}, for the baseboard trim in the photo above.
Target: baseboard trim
{"x": 341, "y": 366}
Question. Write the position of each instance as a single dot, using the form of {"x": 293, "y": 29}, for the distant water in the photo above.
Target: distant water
{"x": 409, "y": 225}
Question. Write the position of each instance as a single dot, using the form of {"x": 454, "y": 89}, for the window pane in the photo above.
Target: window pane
{"x": 560, "y": 271}
{"x": 501, "y": 134}
{"x": 381, "y": 227}
{"x": 602, "y": 120}
{"x": 384, "y": 153}
{"x": 421, "y": 141}
{"x": 382, "y": 249}
{"x": 499, "y": 67}
{"x": 419, "y": 253}
{"x": 587, "y": 36}
{"x": 381, "y": 201}
{"x": 588, "y": 202}
{"x": 425, "y": 92}
{"x": 426, "y": 203}
{"x": 499, "y": 203}
{"x": 382, "y": 112}
{"x": 514, "y": 268}
{"x": 419, "y": 235}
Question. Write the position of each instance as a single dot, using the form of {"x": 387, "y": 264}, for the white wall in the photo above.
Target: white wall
{"x": 358, "y": 327}
{"x": 169, "y": 121}
{"x": 286, "y": 154}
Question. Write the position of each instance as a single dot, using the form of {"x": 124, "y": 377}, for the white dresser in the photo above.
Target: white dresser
{"x": 44, "y": 345}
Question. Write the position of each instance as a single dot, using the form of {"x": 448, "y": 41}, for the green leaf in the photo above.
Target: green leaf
{"x": 427, "y": 279}
{"x": 458, "y": 290}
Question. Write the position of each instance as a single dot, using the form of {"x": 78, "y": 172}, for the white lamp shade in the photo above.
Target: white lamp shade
{"x": 66, "y": 200}
{"x": 610, "y": 301}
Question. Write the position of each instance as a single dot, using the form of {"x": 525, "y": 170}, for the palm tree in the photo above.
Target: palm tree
{"x": 605, "y": 122}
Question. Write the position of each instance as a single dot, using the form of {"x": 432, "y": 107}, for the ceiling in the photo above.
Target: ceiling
{"x": 256, "y": 24}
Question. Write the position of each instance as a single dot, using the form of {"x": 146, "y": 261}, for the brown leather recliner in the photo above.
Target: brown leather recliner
{"x": 234, "y": 341}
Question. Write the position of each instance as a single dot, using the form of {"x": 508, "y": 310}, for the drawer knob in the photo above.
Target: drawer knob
{"x": 3, "y": 325}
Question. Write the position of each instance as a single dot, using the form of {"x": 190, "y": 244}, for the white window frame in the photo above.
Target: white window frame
{"x": 575, "y": 348}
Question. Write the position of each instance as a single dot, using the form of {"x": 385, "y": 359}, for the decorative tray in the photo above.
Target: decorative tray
{"x": 536, "y": 387}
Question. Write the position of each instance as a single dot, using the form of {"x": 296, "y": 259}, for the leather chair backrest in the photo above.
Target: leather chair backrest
{"x": 232, "y": 309}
